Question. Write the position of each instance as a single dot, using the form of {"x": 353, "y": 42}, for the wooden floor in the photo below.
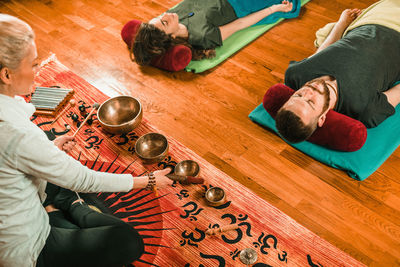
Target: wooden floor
{"x": 208, "y": 113}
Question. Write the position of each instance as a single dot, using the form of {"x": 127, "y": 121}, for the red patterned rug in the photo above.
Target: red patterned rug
{"x": 173, "y": 224}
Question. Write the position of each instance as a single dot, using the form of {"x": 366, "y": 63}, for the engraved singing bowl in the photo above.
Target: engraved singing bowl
{"x": 151, "y": 148}
{"x": 215, "y": 196}
{"x": 120, "y": 114}
{"x": 187, "y": 168}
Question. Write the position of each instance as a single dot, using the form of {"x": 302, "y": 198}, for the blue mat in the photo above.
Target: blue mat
{"x": 381, "y": 142}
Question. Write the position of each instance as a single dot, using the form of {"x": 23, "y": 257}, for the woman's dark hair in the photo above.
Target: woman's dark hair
{"x": 151, "y": 42}
{"x": 292, "y": 128}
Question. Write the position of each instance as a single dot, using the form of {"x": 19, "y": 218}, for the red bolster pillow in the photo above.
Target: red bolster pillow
{"x": 175, "y": 59}
{"x": 339, "y": 131}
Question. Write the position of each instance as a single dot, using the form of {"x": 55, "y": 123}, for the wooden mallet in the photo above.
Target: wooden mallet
{"x": 72, "y": 103}
{"x": 95, "y": 106}
{"x": 185, "y": 179}
{"x": 222, "y": 229}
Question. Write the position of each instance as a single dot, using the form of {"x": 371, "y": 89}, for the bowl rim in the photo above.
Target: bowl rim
{"x": 125, "y": 123}
{"x": 150, "y": 158}
{"x": 186, "y": 160}
{"x": 213, "y": 201}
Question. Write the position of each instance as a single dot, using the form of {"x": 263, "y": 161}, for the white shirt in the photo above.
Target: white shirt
{"x": 27, "y": 161}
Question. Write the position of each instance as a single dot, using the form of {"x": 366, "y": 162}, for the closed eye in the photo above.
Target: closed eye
{"x": 311, "y": 103}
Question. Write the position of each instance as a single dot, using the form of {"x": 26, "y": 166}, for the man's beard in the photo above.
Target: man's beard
{"x": 327, "y": 97}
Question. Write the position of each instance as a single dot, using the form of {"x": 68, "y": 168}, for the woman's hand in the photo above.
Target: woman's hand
{"x": 65, "y": 143}
{"x": 285, "y": 6}
{"x": 161, "y": 179}
{"x": 348, "y": 16}
{"x": 159, "y": 176}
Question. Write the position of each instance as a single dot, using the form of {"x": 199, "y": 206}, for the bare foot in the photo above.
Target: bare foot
{"x": 50, "y": 208}
{"x": 348, "y": 16}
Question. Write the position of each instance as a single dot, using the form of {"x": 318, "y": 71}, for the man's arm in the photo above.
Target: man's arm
{"x": 244, "y": 22}
{"x": 393, "y": 95}
{"x": 346, "y": 18}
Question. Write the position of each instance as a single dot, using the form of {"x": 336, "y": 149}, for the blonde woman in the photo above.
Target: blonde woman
{"x": 30, "y": 236}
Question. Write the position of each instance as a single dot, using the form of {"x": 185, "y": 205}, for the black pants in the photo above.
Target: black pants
{"x": 89, "y": 238}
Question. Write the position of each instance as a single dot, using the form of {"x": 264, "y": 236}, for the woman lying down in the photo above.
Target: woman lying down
{"x": 200, "y": 25}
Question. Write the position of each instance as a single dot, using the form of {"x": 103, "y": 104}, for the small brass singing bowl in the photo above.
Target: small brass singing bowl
{"x": 215, "y": 196}
{"x": 151, "y": 148}
{"x": 187, "y": 168}
{"x": 120, "y": 114}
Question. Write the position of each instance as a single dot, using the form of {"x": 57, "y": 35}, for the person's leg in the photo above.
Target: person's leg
{"x": 80, "y": 213}
{"x": 57, "y": 219}
{"x": 56, "y": 216}
{"x": 114, "y": 245}
{"x": 103, "y": 240}
{"x": 51, "y": 191}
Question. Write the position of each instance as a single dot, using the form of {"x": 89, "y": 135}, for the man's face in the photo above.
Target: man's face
{"x": 310, "y": 101}
{"x": 168, "y": 22}
{"x": 22, "y": 77}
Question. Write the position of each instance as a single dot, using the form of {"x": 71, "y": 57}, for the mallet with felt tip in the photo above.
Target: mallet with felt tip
{"x": 222, "y": 229}
{"x": 95, "y": 106}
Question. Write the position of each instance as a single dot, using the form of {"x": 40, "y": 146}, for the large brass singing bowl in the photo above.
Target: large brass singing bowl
{"x": 120, "y": 114}
{"x": 187, "y": 168}
{"x": 151, "y": 148}
{"x": 215, "y": 196}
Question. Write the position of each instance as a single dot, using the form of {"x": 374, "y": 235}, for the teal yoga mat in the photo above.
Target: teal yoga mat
{"x": 381, "y": 142}
{"x": 232, "y": 45}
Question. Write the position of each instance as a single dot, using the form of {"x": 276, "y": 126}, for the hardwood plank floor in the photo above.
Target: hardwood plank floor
{"x": 208, "y": 113}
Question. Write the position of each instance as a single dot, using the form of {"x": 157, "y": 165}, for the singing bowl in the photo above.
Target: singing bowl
{"x": 120, "y": 114}
{"x": 187, "y": 168}
{"x": 215, "y": 196}
{"x": 151, "y": 148}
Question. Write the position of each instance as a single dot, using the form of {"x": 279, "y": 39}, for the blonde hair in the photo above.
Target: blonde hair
{"x": 15, "y": 38}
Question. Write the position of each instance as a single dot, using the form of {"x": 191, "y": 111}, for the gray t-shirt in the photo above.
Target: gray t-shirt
{"x": 365, "y": 63}
{"x": 203, "y": 25}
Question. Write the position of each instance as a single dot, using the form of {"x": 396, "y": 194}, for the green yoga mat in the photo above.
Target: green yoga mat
{"x": 381, "y": 142}
{"x": 231, "y": 45}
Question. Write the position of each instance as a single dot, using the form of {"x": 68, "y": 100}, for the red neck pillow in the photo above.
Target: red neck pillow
{"x": 339, "y": 131}
{"x": 175, "y": 59}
